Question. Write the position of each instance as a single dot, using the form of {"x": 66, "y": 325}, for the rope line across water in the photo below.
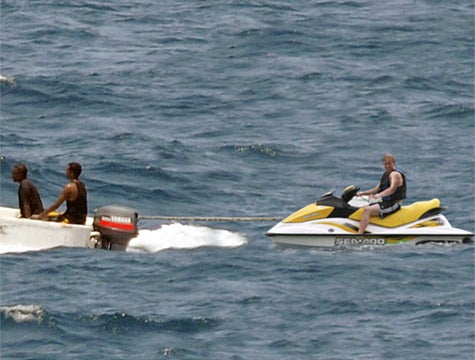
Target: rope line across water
{"x": 210, "y": 218}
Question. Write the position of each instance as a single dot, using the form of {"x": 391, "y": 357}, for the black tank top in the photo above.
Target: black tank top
{"x": 76, "y": 210}
{"x": 400, "y": 192}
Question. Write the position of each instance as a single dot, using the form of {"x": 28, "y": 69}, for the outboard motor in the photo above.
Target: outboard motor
{"x": 117, "y": 225}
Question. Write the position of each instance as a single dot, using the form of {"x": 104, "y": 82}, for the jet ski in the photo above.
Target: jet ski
{"x": 333, "y": 221}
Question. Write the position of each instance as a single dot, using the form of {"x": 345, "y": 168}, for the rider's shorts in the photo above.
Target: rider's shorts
{"x": 388, "y": 208}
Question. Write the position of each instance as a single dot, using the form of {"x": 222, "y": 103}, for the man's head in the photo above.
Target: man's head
{"x": 389, "y": 162}
{"x": 19, "y": 172}
{"x": 74, "y": 170}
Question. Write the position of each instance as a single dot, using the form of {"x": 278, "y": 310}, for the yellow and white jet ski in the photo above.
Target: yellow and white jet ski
{"x": 332, "y": 221}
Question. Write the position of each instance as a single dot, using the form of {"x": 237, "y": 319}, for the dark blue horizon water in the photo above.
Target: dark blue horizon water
{"x": 251, "y": 108}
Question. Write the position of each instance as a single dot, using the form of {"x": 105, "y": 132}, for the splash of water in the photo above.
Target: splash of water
{"x": 7, "y": 80}
{"x": 23, "y": 313}
{"x": 180, "y": 236}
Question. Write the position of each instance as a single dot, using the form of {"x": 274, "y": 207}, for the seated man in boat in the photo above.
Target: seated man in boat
{"x": 29, "y": 198}
{"x": 391, "y": 189}
{"x": 75, "y": 195}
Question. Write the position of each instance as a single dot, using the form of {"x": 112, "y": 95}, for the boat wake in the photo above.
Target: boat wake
{"x": 180, "y": 236}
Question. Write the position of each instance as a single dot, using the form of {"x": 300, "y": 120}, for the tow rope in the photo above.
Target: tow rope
{"x": 210, "y": 218}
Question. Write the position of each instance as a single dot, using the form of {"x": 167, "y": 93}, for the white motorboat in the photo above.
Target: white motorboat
{"x": 112, "y": 227}
{"x": 333, "y": 222}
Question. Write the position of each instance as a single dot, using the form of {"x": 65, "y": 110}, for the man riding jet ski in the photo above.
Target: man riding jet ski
{"x": 333, "y": 221}
{"x": 391, "y": 189}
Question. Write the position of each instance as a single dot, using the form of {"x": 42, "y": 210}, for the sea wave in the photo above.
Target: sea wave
{"x": 8, "y": 80}
{"x": 459, "y": 112}
{"x": 123, "y": 322}
{"x": 23, "y": 313}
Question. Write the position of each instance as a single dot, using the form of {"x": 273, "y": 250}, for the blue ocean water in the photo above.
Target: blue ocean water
{"x": 249, "y": 108}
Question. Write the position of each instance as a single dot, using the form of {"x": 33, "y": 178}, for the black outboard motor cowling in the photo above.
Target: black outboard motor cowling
{"x": 117, "y": 225}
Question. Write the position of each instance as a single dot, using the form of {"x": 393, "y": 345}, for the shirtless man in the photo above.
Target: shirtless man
{"x": 29, "y": 199}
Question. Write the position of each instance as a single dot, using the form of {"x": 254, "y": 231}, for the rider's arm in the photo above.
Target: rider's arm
{"x": 370, "y": 191}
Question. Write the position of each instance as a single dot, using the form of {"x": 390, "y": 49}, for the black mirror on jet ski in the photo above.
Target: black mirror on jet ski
{"x": 349, "y": 193}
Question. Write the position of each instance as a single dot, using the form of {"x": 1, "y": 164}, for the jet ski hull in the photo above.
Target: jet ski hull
{"x": 350, "y": 240}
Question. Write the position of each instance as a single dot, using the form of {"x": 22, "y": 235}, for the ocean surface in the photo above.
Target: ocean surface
{"x": 247, "y": 108}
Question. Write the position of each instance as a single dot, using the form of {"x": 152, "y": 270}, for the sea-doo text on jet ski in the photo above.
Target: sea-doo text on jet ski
{"x": 334, "y": 221}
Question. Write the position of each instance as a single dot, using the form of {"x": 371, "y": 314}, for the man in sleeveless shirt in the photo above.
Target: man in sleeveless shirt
{"x": 75, "y": 195}
{"x": 391, "y": 189}
{"x": 29, "y": 199}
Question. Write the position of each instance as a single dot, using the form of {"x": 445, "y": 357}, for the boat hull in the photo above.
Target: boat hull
{"x": 18, "y": 234}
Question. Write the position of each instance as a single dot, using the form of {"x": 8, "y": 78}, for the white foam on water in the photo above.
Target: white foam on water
{"x": 23, "y": 313}
{"x": 180, "y": 236}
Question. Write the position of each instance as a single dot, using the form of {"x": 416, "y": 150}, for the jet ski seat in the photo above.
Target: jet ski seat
{"x": 405, "y": 215}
